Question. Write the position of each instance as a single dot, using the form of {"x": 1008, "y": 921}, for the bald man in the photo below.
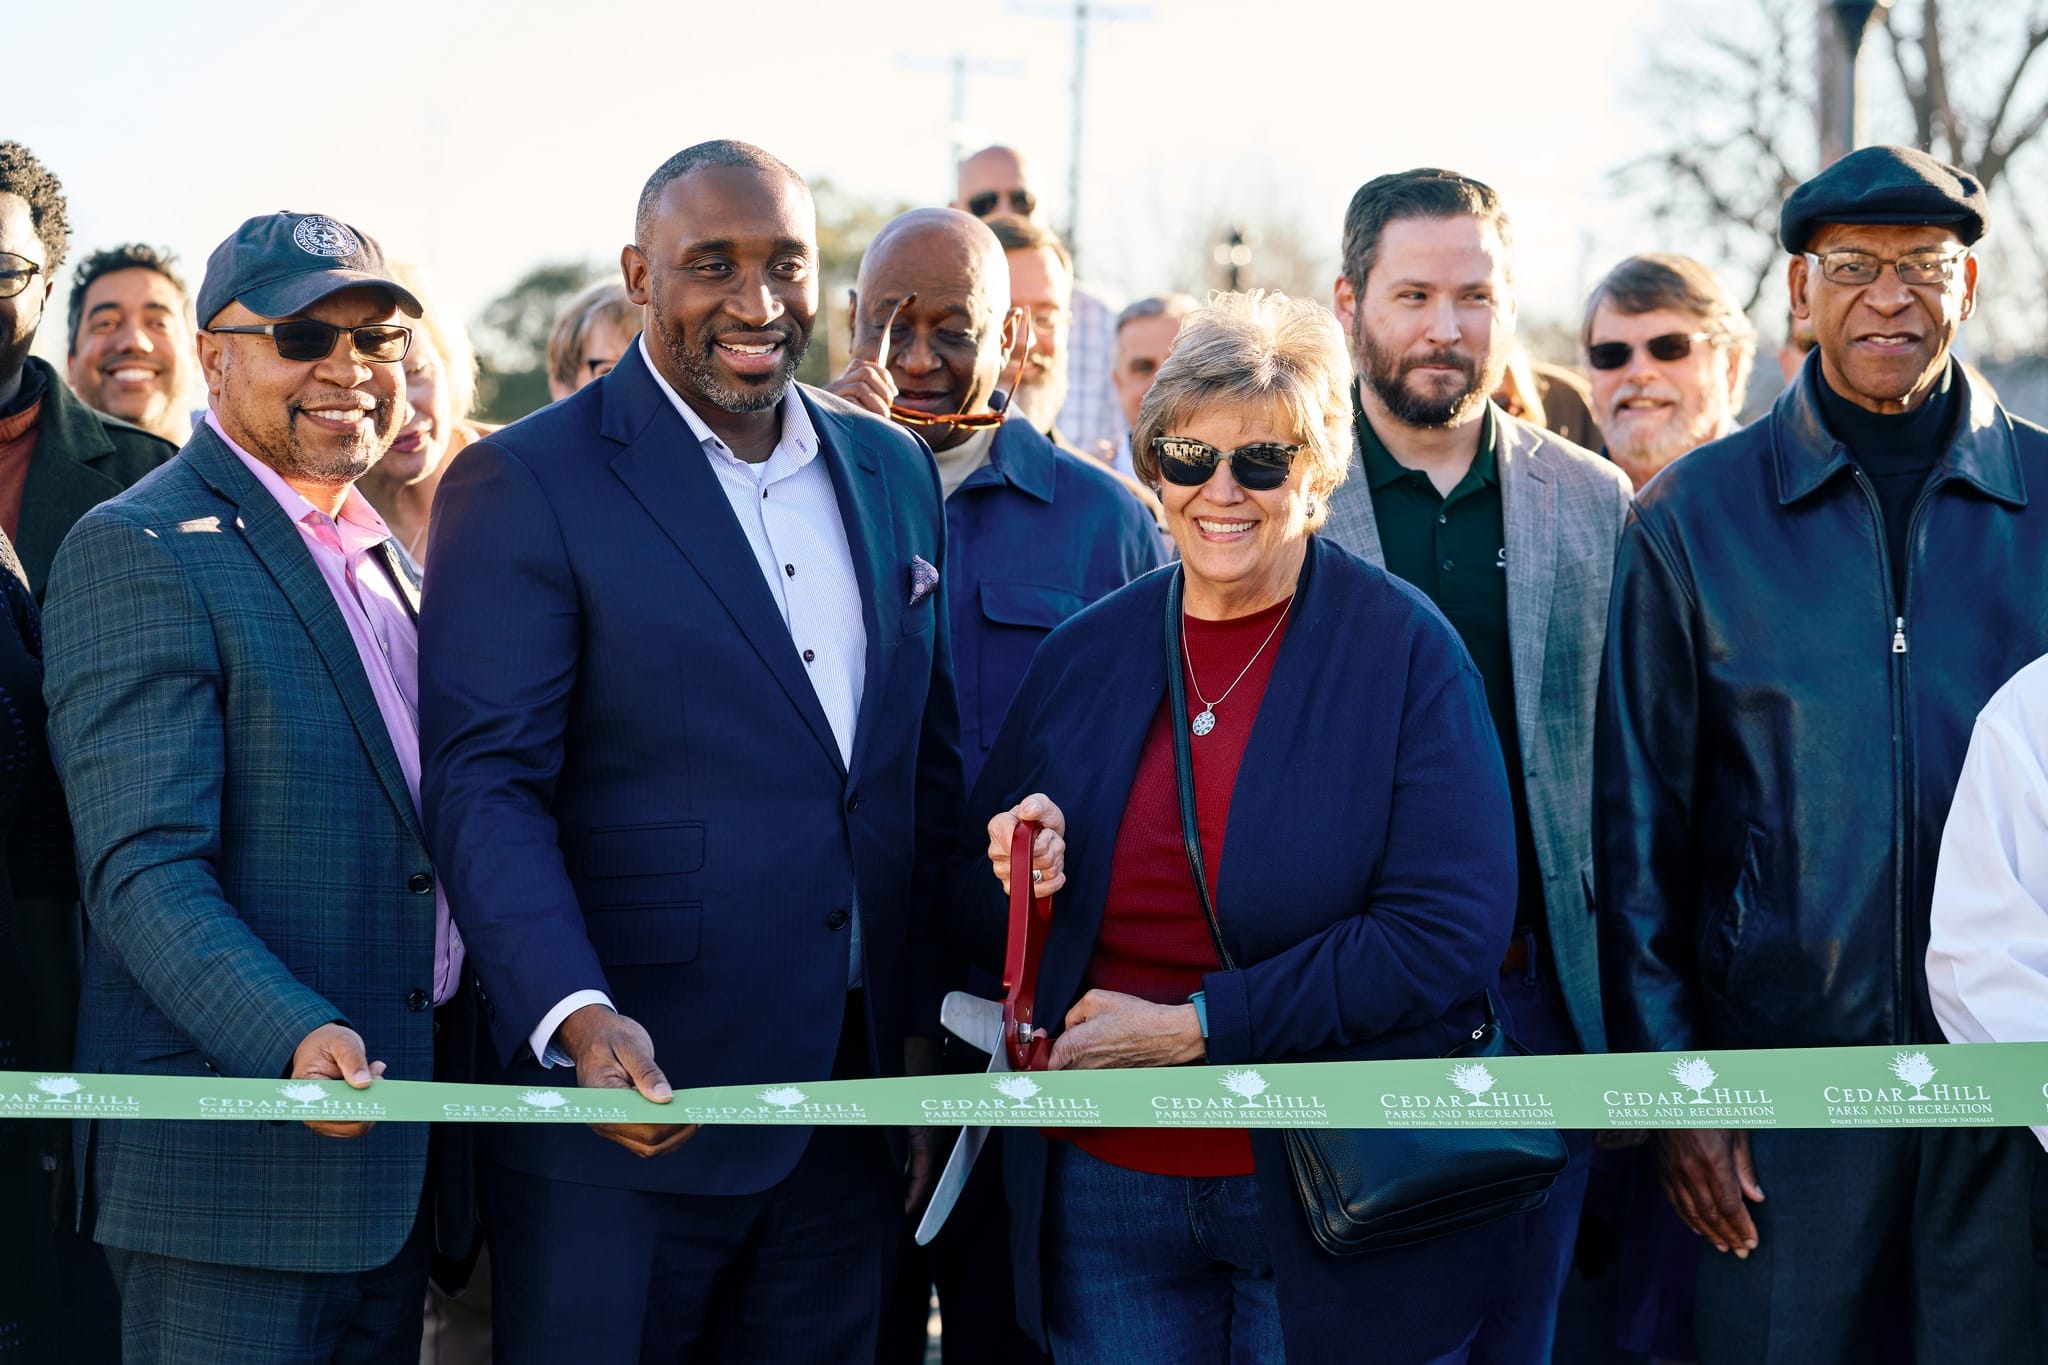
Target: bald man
{"x": 997, "y": 180}
{"x": 1033, "y": 534}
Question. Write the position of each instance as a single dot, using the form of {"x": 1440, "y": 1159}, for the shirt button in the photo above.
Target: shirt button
{"x": 418, "y": 1001}
{"x": 837, "y": 919}
{"x": 789, "y": 569}
{"x": 419, "y": 884}
{"x": 1443, "y": 518}
{"x": 1447, "y": 566}
{"x": 810, "y": 656}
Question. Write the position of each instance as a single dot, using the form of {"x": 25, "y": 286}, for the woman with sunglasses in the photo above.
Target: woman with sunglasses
{"x": 1355, "y": 836}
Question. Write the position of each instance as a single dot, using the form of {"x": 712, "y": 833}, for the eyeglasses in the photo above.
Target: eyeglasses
{"x": 15, "y": 273}
{"x": 1258, "y": 468}
{"x": 379, "y": 343}
{"x": 1022, "y": 202}
{"x": 966, "y": 421}
{"x": 1612, "y": 355}
{"x": 1859, "y": 268}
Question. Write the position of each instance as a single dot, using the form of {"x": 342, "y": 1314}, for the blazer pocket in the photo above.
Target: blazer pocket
{"x": 653, "y": 934}
{"x": 1031, "y": 605}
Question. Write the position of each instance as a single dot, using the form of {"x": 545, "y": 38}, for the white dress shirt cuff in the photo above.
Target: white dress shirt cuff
{"x": 543, "y": 1039}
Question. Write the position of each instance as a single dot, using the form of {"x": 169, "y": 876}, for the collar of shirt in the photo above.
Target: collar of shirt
{"x": 796, "y": 447}
{"x": 962, "y": 461}
{"x": 357, "y": 529}
{"x": 1381, "y": 468}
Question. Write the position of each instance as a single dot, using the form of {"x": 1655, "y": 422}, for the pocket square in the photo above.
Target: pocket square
{"x": 923, "y": 578}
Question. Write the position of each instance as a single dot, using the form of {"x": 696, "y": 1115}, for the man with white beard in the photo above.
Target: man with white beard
{"x": 1669, "y": 354}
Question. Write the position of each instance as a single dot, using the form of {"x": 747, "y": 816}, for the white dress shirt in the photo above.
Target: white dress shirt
{"x": 789, "y": 511}
{"x": 1987, "y": 956}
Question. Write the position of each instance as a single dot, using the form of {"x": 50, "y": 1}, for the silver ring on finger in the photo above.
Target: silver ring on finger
{"x": 1037, "y": 877}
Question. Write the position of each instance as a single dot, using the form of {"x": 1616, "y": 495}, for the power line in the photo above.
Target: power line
{"x": 1083, "y": 12}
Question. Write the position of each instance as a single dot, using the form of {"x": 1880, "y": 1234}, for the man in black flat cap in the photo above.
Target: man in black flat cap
{"x": 1807, "y": 616}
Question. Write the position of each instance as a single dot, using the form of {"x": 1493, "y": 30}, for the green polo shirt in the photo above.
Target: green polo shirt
{"x": 1454, "y": 548}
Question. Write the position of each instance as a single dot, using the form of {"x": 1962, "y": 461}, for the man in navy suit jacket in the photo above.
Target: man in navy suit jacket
{"x": 691, "y": 759}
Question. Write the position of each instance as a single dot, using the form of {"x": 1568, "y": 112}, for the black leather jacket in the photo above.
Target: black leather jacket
{"x": 1778, "y": 739}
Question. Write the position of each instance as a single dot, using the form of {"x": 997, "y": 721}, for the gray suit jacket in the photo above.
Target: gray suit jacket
{"x": 1564, "y": 508}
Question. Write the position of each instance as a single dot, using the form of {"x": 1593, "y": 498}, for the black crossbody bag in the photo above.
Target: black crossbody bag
{"x": 1365, "y": 1189}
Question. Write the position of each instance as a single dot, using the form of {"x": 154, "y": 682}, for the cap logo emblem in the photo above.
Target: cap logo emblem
{"x": 320, "y": 235}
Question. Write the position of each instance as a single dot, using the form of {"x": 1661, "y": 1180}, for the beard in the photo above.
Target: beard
{"x": 1434, "y": 405}
{"x": 1643, "y": 445}
{"x": 1043, "y": 394}
{"x": 695, "y": 359}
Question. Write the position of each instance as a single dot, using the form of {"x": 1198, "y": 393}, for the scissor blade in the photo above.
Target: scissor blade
{"x": 975, "y": 1021}
{"x": 952, "y": 1181}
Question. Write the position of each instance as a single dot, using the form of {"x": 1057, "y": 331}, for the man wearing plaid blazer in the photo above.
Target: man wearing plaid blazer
{"x": 232, "y": 677}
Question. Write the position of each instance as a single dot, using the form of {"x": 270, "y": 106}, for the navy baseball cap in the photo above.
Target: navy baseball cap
{"x": 282, "y": 263}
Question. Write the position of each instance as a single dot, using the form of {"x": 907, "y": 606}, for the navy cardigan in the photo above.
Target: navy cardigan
{"x": 1367, "y": 891}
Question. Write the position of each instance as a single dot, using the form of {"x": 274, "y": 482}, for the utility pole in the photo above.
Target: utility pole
{"x": 1083, "y": 13}
{"x": 1842, "y": 25}
{"x": 958, "y": 67}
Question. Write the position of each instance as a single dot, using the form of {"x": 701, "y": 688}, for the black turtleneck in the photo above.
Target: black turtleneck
{"x": 1896, "y": 451}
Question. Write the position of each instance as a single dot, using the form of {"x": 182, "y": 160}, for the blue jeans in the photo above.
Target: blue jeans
{"x": 1162, "y": 1269}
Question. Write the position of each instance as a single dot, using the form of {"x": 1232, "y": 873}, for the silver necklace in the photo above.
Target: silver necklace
{"x": 1205, "y": 721}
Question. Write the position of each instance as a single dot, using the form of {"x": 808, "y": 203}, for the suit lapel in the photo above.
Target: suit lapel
{"x": 1351, "y": 522}
{"x": 1529, "y": 521}
{"x": 666, "y": 470}
{"x": 863, "y": 494}
{"x": 281, "y": 549}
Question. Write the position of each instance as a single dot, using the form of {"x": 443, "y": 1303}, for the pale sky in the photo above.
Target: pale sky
{"x": 483, "y": 138}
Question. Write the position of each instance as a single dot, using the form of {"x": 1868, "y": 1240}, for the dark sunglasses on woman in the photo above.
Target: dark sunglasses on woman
{"x": 380, "y": 343}
{"x": 1612, "y": 355}
{"x": 1258, "y": 468}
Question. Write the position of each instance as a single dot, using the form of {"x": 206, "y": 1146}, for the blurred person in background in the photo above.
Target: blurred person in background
{"x": 1669, "y": 352}
{"x": 1144, "y": 334}
{"x": 1798, "y": 343}
{"x": 440, "y": 394}
{"x": 1548, "y": 396}
{"x": 592, "y": 332}
{"x": 997, "y": 181}
{"x": 1510, "y": 531}
{"x": 132, "y": 353}
{"x": 58, "y": 457}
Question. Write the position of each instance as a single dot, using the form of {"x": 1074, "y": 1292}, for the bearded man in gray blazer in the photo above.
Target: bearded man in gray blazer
{"x": 1511, "y": 532}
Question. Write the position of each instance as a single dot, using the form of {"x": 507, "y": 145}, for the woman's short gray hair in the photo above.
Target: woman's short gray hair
{"x": 1251, "y": 351}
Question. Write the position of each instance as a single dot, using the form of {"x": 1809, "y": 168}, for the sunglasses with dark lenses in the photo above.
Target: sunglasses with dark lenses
{"x": 1258, "y": 468}
{"x": 1612, "y": 355}
{"x": 380, "y": 343}
{"x": 1022, "y": 202}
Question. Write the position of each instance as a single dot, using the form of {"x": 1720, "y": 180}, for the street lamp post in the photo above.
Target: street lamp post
{"x": 1842, "y": 25}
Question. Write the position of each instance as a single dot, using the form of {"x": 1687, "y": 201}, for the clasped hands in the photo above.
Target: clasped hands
{"x": 1104, "y": 1028}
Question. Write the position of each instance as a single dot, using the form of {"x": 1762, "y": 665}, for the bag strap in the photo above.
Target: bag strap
{"x": 1184, "y": 765}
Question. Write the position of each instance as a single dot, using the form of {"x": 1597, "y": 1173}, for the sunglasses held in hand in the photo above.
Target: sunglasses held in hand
{"x": 1258, "y": 468}
{"x": 1612, "y": 355}
{"x": 380, "y": 343}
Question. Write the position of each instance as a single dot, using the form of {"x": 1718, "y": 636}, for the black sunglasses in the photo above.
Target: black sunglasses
{"x": 1612, "y": 355}
{"x": 1258, "y": 468}
{"x": 1022, "y": 201}
{"x": 379, "y": 343}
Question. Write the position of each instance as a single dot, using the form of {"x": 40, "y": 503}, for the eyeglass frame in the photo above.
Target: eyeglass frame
{"x": 1946, "y": 261}
{"x": 269, "y": 329}
{"x": 27, "y": 276}
{"x": 1217, "y": 456}
{"x": 1691, "y": 339}
{"x": 963, "y": 419}
{"x": 998, "y": 198}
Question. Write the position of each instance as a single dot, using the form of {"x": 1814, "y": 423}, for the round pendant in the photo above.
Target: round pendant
{"x": 1204, "y": 723}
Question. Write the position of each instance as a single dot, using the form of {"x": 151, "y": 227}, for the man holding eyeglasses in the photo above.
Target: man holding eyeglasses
{"x": 233, "y": 687}
{"x": 1669, "y": 354}
{"x": 1807, "y": 617}
{"x": 1510, "y": 530}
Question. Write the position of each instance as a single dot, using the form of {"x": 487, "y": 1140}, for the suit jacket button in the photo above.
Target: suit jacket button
{"x": 836, "y": 920}
{"x": 420, "y": 884}
{"x": 418, "y": 1001}
{"x": 853, "y": 802}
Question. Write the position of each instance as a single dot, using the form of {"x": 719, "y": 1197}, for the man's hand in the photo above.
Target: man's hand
{"x": 1109, "y": 1029}
{"x": 1048, "y": 850}
{"x": 614, "y": 1053}
{"x": 334, "y": 1052}
{"x": 1707, "y": 1173}
{"x": 866, "y": 382}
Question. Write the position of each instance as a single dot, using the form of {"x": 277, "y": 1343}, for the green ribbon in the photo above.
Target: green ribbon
{"x": 1982, "y": 1085}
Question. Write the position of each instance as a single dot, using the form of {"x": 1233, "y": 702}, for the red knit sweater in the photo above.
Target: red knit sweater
{"x": 1154, "y": 942}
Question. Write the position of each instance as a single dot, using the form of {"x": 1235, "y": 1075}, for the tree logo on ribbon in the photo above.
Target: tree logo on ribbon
{"x": 544, "y": 1099}
{"x": 783, "y": 1097}
{"x": 1915, "y": 1070}
{"x": 1247, "y": 1084}
{"x": 1474, "y": 1079}
{"x": 59, "y": 1088}
{"x": 1695, "y": 1075}
{"x": 305, "y": 1092}
{"x": 1019, "y": 1088}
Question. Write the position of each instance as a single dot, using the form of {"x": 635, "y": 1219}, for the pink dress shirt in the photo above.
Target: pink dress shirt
{"x": 386, "y": 638}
